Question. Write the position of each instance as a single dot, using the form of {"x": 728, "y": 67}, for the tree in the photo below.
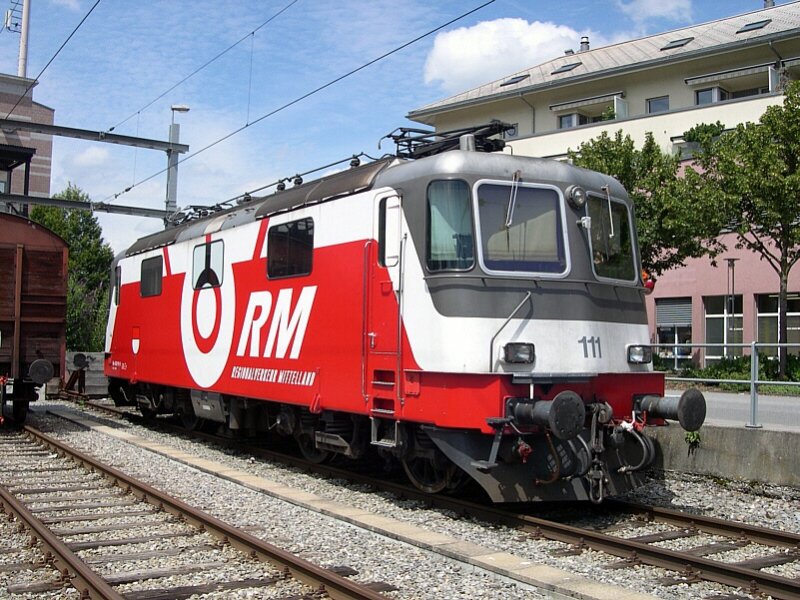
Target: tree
{"x": 90, "y": 260}
{"x": 672, "y": 224}
{"x": 753, "y": 173}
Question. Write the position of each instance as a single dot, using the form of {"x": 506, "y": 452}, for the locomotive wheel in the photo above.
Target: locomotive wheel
{"x": 309, "y": 450}
{"x": 149, "y": 407}
{"x": 431, "y": 475}
{"x": 19, "y": 411}
{"x": 148, "y": 414}
{"x": 426, "y": 466}
{"x": 189, "y": 420}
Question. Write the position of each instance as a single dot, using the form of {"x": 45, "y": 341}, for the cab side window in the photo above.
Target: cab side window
{"x": 207, "y": 265}
{"x": 151, "y": 274}
{"x": 290, "y": 249}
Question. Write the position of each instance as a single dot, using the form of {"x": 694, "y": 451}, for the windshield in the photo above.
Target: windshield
{"x": 612, "y": 247}
{"x": 449, "y": 226}
{"x": 521, "y": 229}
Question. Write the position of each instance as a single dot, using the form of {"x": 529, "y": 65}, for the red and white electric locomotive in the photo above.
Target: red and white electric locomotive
{"x": 465, "y": 312}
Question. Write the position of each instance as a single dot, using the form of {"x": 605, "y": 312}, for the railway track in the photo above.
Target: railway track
{"x": 92, "y": 523}
{"x": 691, "y": 564}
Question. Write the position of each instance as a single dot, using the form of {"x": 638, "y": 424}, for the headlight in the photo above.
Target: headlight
{"x": 519, "y": 352}
{"x": 576, "y": 196}
{"x": 640, "y": 355}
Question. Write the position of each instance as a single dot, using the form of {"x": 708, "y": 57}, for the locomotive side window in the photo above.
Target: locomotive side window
{"x": 450, "y": 244}
{"x": 389, "y": 230}
{"x": 290, "y": 248}
{"x": 612, "y": 255}
{"x": 207, "y": 265}
{"x": 150, "y": 280}
{"x": 521, "y": 229}
{"x": 117, "y": 284}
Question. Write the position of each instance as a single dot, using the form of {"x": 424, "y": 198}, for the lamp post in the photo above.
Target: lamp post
{"x": 172, "y": 162}
{"x": 730, "y": 302}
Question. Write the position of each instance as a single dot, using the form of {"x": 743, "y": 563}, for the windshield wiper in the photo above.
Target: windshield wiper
{"x": 512, "y": 200}
{"x": 610, "y": 216}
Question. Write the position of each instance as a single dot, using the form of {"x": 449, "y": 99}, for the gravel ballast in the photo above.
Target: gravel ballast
{"x": 419, "y": 573}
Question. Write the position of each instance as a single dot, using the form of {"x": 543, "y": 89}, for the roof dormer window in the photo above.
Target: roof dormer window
{"x": 754, "y": 26}
{"x": 677, "y": 43}
{"x": 515, "y": 79}
{"x": 566, "y": 68}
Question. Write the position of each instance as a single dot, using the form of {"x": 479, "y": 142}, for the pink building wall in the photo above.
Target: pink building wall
{"x": 698, "y": 279}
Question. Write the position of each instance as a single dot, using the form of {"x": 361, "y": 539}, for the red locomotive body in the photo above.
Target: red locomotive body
{"x": 444, "y": 311}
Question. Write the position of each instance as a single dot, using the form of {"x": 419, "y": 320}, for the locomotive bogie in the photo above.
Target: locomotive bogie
{"x": 463, "y": 314}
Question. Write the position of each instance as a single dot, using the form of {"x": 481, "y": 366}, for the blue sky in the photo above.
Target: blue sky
{"x": 127, "y": 54}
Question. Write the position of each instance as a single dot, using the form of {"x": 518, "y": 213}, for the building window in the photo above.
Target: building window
{"x": 450, "y": 243}
{"x": 511, "y": 133}
{"x": 657, "y": 105}
{"x": 710, "y": 95}
{"x": 674, "y": 326}
{"x": 150, "y": 276}
{"x": 572, "y": 120}
{"x": 207, "y": 265}
{"x": 768, "y": 322}
{"x": 756, "y": 91}
{"x": 290, "y": 248}
{"x": 723, "y": 326}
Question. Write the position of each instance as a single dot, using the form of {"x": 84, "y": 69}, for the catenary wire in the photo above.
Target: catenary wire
{"x": 74, "y": 31}
{"x": 303, "y": 97}
{"x": 204, "y": 65}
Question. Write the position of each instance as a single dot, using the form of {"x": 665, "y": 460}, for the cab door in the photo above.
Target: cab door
{"x": 384, "y": 292}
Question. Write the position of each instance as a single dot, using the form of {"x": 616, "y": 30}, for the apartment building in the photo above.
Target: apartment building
{"x": 728, "y": 70}
{"x": 23, "y": 150}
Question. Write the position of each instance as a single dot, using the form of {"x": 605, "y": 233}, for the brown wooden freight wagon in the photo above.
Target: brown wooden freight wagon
{"x": 33, "y": 310}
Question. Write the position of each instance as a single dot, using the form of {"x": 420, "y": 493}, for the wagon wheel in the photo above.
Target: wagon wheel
{"x": 427, "y": 467}
{"x": 309, "y": 450}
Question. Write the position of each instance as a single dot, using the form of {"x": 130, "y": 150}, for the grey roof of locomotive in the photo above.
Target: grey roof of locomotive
{"x": 387, "y": 172}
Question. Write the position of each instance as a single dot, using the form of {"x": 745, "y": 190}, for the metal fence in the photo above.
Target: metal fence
{"x": 753, "y": 382}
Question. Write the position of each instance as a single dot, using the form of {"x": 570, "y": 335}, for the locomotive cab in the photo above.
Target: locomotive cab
{"x": 533, "y": 271}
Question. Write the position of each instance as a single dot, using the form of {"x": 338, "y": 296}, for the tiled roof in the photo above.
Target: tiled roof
{"x": 706, "y": 38}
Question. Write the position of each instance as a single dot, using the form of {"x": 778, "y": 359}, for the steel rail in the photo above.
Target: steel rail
{"x": 712, "y": 525}
{"x": 780, "y": 588}
{"x": 336, "y": 586}
{"x": 639, "y": 552}
{"x": 81, "y": 577}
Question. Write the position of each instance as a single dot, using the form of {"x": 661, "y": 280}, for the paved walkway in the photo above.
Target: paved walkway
{"x": 730, "y": 409}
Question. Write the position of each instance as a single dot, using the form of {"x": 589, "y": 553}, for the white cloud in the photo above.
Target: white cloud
{"x": 469, "y": 56}
{"x": 70, "y": 4}
{"x": 645, "y": 10}
{"x": 93, "y": 156}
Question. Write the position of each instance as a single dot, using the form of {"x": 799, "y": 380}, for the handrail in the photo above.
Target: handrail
{"x": 494, "y": 337}
{"x": 753, "y": 381}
